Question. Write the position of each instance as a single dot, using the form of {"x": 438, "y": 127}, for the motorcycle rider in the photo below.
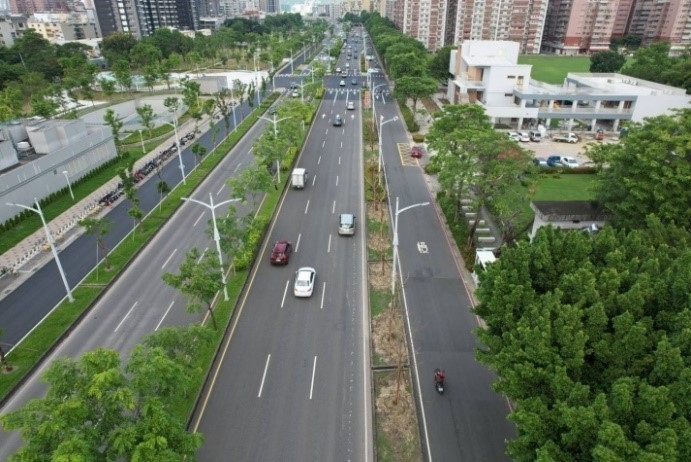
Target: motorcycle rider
{"x": 439, "y": 376}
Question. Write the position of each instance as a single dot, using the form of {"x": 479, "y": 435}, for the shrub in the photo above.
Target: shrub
{"x": 418, "y": 137}
{"x": 408, "y": 117}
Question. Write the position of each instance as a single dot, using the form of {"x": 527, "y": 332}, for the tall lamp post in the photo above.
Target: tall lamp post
{"x": 69, "y": 185}
{"x": 256, "y": 81}
{"x": 232, "y": 108}
{"x": 383, "y": 122}
{"x": 291, "y": 61}
{"x": 275, "y": 122}
{"x": 217, "y": 237}
{"x": 395, "y": 240}
{"x": 51, "y": 242}
{"x": 141, "y": 139}
{"x": 174, "y": 124}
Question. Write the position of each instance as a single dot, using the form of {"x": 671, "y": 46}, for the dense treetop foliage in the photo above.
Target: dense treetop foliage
{"x": 591, "y": 338}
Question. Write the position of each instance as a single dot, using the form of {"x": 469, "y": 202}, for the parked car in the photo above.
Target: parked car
{"x": 524, "y": 137}
{"x": 338, "y": 121}
{"x": 304, "y": 282}
{"x": 535, "y": 135}
{"x": 417, "y": 152}
{"x": 514, "y": 136}
{"x": 554, "y": 161}
{"x": 295, "y": 94}
{"x": 565, "y": 138}
{"x": 540, "y": 162}
{"x": 280, "y": 253}
{"x": 272, "y": 110}
{"x": 350, "y": 106}
{"x": 569, "y": 162}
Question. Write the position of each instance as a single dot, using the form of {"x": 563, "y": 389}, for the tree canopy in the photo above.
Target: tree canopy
{"x": 591, "y": 339}
{"x": 648, "y": 172}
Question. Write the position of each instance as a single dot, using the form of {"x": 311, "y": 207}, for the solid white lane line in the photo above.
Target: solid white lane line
{"x": 126, "y": 316}
{"x": 333, "y": 208}
{"x": 314, "y": 180}
{"x": 200, "y": 217}
{"x": 285, "y": 291}
{"x": 201, "y": 257}
{"x": 328, "y": 248}
{"x": 222, "y": 186}
{"x": 319, "y": 161}
{"x": 336, "y": 180}
{"x": 297, "y": 246}
{"x": 266, "y": 368}
{"x": 164, "y": 315}
{"x": 307, "y": 206}
{"x": 314, "y": 370}
{"x": 168, "y": 259}
{"x": 321, "y": 307}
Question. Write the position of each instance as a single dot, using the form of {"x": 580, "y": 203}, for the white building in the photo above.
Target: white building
{"x": 487, "y": 73}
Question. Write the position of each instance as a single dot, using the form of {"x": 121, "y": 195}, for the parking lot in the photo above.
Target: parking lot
{"x": 547, "y": 147}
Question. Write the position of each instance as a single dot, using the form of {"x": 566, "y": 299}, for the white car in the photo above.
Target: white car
{"x": 524, "y": 137}
{"x": 350, "y": 106}
{"x": 342, "y": 83}
{"x": 514, "y": 136}
{"x": 304, "y": 281}
{"x": 569, "y": 162}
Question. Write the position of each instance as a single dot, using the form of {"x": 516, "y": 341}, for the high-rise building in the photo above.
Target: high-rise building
{"x": 668, "y": 21}
{"x": 579, "y": 26}
{"x": 117, "y": 15}
{"x": 177, "y": 14}
{"x": 38, "y": 6}
{"x": 437, "y": 23}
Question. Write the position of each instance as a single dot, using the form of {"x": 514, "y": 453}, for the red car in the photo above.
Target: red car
{"x": 280, "y": 254}
{"x": 416, "y": 152}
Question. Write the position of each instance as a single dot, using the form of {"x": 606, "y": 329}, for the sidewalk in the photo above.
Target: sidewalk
{"x": 33, "y": 252}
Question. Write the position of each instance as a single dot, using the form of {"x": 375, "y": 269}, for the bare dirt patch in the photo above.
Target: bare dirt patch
{"x": 378, "y": 211}
{"x": 396, "y": 418}
{"x": 389, "y": 337}
{"x": 380, "y": 275}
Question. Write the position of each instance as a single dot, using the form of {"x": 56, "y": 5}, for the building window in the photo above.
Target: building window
{"x": 510, "y": 77}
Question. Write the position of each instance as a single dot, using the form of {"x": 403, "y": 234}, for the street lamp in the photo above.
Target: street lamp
{"x": 141, "y": 139}
{"x": 232, "y": 108}
{"x": 383, "y": 122}
{"x": 291, "y": 61}
{"x": 256, "y": 81}
{"x": 395, "y": 240}
{"x": 174, "y": 124}
{"x": 69, "y": 185}
{"x": 51, "y": 242}
{"x": 217, "y": 237}
{"x": 302, "y": 92}
{"x": 275, "y": 122}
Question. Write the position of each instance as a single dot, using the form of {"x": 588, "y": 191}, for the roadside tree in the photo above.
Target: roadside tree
{"x": 414, "y": 88}
{"x": 146, "y": 116}
{"x": 606, "y": 61}
{"x": 99, "y": 228}
{"x": 588, "y": 336}
{"x": 647, "y": 172}
{"x": 199, "y": 280}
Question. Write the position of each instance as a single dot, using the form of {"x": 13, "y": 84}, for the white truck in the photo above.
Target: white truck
{"x": 299, "y": 178}
{"x": 565, "y": 138}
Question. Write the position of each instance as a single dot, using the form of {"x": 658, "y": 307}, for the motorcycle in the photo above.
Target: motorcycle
{"x": 439, "y": 381}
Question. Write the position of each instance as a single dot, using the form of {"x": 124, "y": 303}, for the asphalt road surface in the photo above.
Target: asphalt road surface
{"x": 292, "y": 383}
{"x": 468, "y": 422}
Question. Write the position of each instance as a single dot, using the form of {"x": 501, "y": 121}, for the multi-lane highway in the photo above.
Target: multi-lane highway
{"x": 292, "y": 383}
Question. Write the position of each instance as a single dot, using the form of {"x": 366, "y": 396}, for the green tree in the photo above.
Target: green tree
{"x": 10, "y": 103}
{"x": 44, "y": 104}
{"x": 123, "y": 74}
{"x": 145, "y": 55}
{"x": 107, "y": 86}
{"x": 99, "y": 228}
{"x": 648, "y": 172}
{"x": 588, "y": 337}
{"x": 199, "y": 280}
{"x": 115, "y": 123}
{"x": 163, "y": 189}
{"x": 117, "y": 46}
{"x": 606, "y": 61}
{"x": 415, "y": 88}
{"x": 439, "y": 64}
{"x": 251, "y": 183}
{"x": 146, "y": 116}
{"x": 648, "y": 61}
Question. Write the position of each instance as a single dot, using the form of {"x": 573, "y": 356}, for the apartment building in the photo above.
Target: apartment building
{"x": 487, "y": 73}
{"x": 579, "y": 26}
{"x": 62, "y": 27}
{"x": 117, "y": 16}
{"x": 668, "y": 21}
{"x": 30, "y": 7}
{"x": 437, "y": 23}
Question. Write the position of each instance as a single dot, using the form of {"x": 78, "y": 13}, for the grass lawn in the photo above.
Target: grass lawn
{"x": 565, "y": 187}
{"x": 553, "y": 69}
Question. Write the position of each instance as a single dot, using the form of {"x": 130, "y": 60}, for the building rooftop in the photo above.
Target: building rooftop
{"x": 552, "y": 211}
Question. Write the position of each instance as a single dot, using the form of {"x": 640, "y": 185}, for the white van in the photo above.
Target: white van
{"x": 535, "y": 135}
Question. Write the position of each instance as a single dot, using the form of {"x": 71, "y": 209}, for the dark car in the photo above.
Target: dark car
{"x": 554, "y": 161}
{"x": 338, "y": 121}
{"x": 353, "y": 81}
{"x": 540, "y": 162}
{"x": 280, "y": 254}
{"x": 417, "y": 152}
{"x": 272, "y": 110}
